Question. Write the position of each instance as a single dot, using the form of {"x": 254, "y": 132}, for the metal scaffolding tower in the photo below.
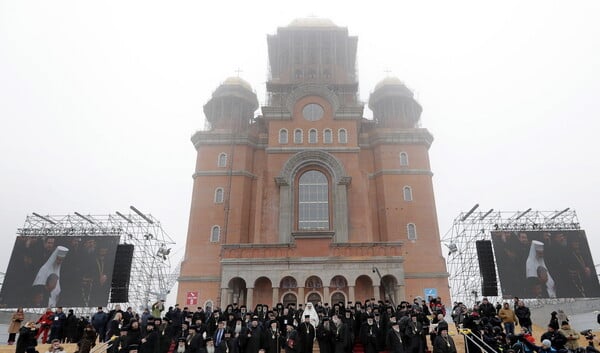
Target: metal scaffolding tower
{"x": 468, "y": 227}
{"x": 151, "y": 263}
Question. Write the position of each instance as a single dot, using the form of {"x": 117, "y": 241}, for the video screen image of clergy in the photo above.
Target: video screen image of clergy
{"x": 55, "y": 271}
{"x": 545, "y": 264}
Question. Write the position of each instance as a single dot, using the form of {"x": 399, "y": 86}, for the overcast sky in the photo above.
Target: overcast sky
{"x": 98, "y": 100}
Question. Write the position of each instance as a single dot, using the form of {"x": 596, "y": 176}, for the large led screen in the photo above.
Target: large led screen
{"x": 52, "y": 271}
{"x": 545, "y": 264}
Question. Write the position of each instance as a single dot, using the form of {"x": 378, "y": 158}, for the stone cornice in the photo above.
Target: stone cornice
{"x": 313, "y": 234}
{"x": 400, "y": 172}
{"x": 372, "y": 244}
{"x": 257, "y": 246}
{"x": 288, "y": 251}
{"x": 321, "y": 148}
{"x": 402, "y": 137}
{"x": 199, "y": 279}
{"x": 418, "y": 275}
{"x": 224, "y": 173}
{"x": 224, "y": 138}
{"x": 312, "y": 260}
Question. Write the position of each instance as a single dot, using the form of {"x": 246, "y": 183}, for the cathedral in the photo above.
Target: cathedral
{"x": 306, "y": 200}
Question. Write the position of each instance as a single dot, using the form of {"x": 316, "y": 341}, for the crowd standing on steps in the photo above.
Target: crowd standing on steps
{"x": 372, "y": 327}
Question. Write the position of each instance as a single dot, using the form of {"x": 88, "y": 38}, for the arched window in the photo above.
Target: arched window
{"x": 219, "y": 195}
{"x": 327, "y": 136}
{"x": 342, "y": 136}
{"x": 312, "y": 136}
{"x": 313, "y": 201}
{"x": 222, "y": 161}
{"x": 288, "y": 283}
{"x": 215, "y": 234}
{"x": 407, "y": 193}
{"x": 411, "y": 230}
{"x": 283, "y": 136}
{"x": 298, "y": 136}
{"x": 403, "y": 159}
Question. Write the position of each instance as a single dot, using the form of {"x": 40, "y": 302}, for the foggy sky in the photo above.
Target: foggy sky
{"x": 98, "y": 101}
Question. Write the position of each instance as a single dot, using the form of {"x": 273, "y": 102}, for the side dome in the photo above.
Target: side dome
{"x": 237, "y": 81}
{"x": 393, "y": 104}
{"x": 232, "y": 105}
{"x": 393, "y": 85}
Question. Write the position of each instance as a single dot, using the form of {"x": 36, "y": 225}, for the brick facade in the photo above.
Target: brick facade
{"x": 245, "y": 243}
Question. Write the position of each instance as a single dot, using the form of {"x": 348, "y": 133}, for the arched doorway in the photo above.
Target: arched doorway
{"x": 387, "y": 290}
{"x": 237, "y": 294}
{"x": 263, "y": 292}
{"x": 289, "y": 298}
{"x": 313, "y": 298}
{"x": 337, "y": 297}
{"x": 364, "y": 288}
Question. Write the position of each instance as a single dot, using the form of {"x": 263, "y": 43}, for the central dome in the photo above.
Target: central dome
{"x": 312, "y": 22}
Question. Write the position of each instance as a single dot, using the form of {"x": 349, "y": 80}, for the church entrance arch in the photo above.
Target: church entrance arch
{"x": 387, "y": 290}
{"x": 313, "y": 298}
{"x": 337, "y": 297}
{"x": 263, "y": 291}
{"x": 363, "y": 289}
{"x": 289, "y": 298}
{"x": 237, "y": 291}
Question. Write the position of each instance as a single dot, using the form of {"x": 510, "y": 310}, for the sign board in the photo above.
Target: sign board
{"x": 430, "y": 292}
{"x": 191, "y": 298}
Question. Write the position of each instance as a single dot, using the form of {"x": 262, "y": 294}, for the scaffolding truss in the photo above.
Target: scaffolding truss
{"x": 151, "y": 275}
{"x": 468, "y": 227}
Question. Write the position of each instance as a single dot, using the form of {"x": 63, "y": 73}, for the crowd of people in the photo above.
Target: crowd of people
{"x": 375, "y": 326}
{"x": 490, "y": 327}
{"x": 369, "y": 327}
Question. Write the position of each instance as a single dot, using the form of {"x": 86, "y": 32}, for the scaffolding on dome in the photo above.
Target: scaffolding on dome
{"x": 151, "y": 273}
{"x": 463, "y": 266}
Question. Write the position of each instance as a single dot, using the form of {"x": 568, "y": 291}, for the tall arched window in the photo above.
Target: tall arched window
{"x": 411, "y": 230}
{"x": 342, "y": 136}
{"x": 327, "y": 136}
{"x": 219, "y": 195}
{"x": 283, "y": 136}
{"x": 403, "y": 159}
{"x": 312, "y": 136}
{"x": 313, "y": 201}
{"x": 407, "y": 193}
{"x": 222, "y": 161}
{"x": 298, "y": 136}
{"x": 215, "y": 234}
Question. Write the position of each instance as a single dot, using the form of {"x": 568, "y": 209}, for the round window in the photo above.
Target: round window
{"x": 312, "y": 112}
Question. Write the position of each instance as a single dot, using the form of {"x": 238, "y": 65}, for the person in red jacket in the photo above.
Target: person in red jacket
{"x": 45, "y": 322}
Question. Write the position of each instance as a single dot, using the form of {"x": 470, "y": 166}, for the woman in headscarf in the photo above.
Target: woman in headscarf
{"x": 52, "y": 267}
{"x": 535, "y": 260}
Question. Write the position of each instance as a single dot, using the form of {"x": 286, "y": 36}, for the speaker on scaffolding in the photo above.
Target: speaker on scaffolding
{"x": 119, "y": 289}
{"x": 487, "y": 268}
